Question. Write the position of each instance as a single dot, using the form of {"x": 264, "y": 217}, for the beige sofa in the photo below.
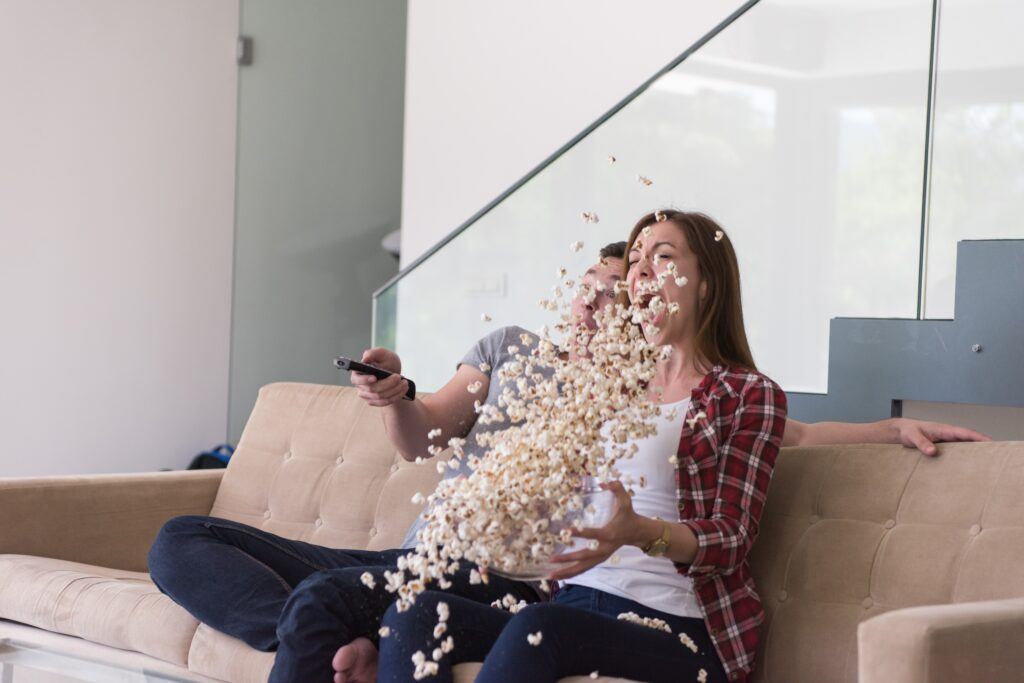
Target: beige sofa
{"x": 874, "y": 563}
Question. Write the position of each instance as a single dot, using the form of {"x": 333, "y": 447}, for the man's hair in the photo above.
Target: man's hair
{"x": 613, "y": 250}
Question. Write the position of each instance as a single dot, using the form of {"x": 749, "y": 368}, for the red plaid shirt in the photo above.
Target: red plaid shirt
{"x": 725, "y": 465}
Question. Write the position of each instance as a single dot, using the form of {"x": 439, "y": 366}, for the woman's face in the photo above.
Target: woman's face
{"x": 650, "y": 257}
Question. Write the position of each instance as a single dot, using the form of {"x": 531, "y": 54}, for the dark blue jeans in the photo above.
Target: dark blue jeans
{"x": 580, "y": 634}
{"x": 273, "y": 593}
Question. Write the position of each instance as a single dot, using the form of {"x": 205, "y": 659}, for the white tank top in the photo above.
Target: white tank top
{"x": 651, "y": 581}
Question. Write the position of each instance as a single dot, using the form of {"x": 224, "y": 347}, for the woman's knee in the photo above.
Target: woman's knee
{"x": 540, "y": 616}
{"x": 535, "y": 624}
{"x": 422, "y": 614}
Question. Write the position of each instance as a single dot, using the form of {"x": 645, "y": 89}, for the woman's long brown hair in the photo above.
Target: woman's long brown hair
{"x": 721, "y": 336}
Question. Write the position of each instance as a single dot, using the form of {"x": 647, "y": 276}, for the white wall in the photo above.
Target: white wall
{"x": 117, "y": 149}
{"x": 492, "y": 89}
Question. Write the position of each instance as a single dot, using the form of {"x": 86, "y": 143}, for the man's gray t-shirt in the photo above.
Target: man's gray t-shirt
{"x": 493, "y": 350}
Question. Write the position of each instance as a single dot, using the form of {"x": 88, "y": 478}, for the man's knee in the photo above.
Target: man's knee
{"x": 167, "y": 546}
{"x": 321, "y": 590}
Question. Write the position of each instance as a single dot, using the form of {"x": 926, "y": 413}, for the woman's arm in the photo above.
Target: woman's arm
{"x": 911, "y": 433}
{"x": 407, "y": 423}
{"x": 721, "y": 542}
{"x": 746, "y": 460}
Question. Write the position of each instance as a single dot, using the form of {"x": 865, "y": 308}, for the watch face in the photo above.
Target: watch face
{"x": 658, "y": 548}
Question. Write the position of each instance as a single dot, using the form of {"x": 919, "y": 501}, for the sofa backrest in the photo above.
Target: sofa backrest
{"x": 314, "y": 464}
{"x": 850, "y": 532}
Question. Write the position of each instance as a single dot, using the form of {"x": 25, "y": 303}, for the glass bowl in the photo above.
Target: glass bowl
{"x": 596, "y": 511}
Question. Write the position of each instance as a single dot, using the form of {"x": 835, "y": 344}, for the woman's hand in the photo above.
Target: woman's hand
{"x": 622, "y": 529}
{"x": 380, "y": 392}
{"x": 924, "y": 435}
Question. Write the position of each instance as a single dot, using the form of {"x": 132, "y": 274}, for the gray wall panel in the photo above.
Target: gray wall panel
{"x": 873, "y": 362}
{"x": 319, "y": 185}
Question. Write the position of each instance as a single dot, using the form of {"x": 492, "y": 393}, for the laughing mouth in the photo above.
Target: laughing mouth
{"x": 644, "y": 300}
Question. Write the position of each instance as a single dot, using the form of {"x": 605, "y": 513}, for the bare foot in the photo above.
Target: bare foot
{"x": 356, "y": 662}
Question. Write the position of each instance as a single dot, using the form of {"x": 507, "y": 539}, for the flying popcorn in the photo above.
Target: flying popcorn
{"x": 719, "y": 235}
{"x": 485, "y": 367}
{"x": 686, "y": 640}
{"x": 695, "y": 419}
{"x": 702, "y": 676}
{"x": 417, "y": 499}
{"x": 434, "y": 433}
{"x": 660, "y": 217}
{"x": 611, "y": 159}
{"x": 485, "y": 318}
{"x": 590, "y": 217}
{"x": 644, "y": 180}
{"x": 367, "y": 579}
{"x": 576, "y": 246}
{"x": 594, "y": 674}
{"x": 474, "y": 387}
{"x": 554, "y": 417}
{"x": 384, "y": 631}
{"x": 534, "y": 638}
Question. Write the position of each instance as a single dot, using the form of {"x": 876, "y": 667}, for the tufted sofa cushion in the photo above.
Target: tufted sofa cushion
{"x": 314, "y": 464}
{"x": 852, "y": 532}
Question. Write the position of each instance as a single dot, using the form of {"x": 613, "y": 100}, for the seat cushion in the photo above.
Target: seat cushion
{"x": 118, "y": 608}
{"x": 222, "y": 657}
{"x": 225, "y": 658}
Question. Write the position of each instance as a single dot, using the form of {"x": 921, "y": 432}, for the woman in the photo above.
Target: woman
{"x": 707, "y": 471}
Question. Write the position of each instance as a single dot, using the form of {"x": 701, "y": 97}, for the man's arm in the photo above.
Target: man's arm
{"x": 450, "y": 409}
{"x": 911, "y": 433}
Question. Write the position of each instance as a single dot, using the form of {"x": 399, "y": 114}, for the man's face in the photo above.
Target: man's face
{"x": 601, "y": 278}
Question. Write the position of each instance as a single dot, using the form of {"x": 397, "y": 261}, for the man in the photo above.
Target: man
{"x": 321, "y": 607}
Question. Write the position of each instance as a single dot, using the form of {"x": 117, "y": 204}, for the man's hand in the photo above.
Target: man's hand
{"x": 380, "y": 392}
{"x": 924, "y": 435}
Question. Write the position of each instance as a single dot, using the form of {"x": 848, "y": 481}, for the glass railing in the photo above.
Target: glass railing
{"x": 802, "y": 127}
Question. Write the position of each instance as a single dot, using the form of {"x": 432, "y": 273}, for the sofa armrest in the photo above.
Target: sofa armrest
{"x": 971, "y": 641}
{"x": 106, "y": 520}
